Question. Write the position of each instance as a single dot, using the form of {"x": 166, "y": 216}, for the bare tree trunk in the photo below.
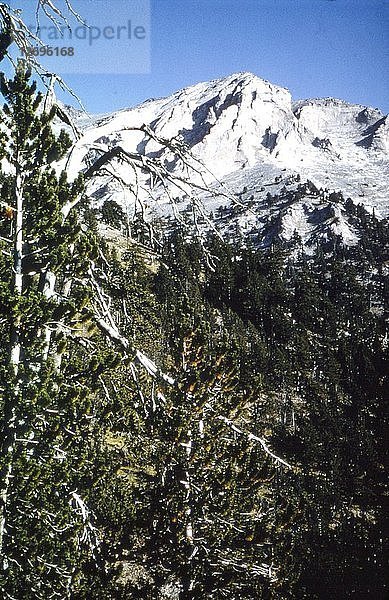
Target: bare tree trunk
{"x": 187, "y": 580}
{"x": 18, "y": 275}
{"x": 11, "y": 399}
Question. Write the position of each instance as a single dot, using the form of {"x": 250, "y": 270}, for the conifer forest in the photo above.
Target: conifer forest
{"x": 183, "y": 416}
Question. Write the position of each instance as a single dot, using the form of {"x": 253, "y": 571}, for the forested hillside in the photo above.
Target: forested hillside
{"x": 264, "y": 349}
{"x": 199, "y": 419}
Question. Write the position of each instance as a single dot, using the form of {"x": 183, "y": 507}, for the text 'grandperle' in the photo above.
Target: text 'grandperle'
{"x": 92, "y": 33}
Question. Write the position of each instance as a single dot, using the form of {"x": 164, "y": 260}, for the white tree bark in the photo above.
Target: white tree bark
{"x": 11, "y": 400}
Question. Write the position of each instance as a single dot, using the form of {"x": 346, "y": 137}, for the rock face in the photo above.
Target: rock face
{"x": 229, "y": 124}
{"x": 232, "y": 123}
{"x": 242, "y": 130}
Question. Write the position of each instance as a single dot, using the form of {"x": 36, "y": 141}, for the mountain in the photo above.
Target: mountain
{"x": 276, "y": 167}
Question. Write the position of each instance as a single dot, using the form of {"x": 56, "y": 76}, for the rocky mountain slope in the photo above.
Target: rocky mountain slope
{"x": 273, "y": 164}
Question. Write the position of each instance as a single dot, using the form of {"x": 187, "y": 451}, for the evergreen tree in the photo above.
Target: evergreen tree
{"x": 44, "y": 297}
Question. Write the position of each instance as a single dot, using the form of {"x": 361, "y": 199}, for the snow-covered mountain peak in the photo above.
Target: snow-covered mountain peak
{"x": 240, "y": 82}
{"x": 247, "y": 133}
{"x": 325, "y": 115}
{"x": 232, "y": 122}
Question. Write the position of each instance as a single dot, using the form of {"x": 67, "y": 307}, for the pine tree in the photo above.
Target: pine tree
{"x": 209, "y": 510}
{"x": 44, "y": 296}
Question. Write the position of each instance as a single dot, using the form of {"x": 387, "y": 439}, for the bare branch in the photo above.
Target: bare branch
{"x": 254, "y": 438}
{"x": 106, "y": 323}
{"x": 24, "y": 38}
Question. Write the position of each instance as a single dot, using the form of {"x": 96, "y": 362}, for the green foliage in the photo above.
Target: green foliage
{"x": 113, "y": 214}
{"x": 287, "y": 349}
{"x": 47, "y": 390}
{"x": 272, "y": 355}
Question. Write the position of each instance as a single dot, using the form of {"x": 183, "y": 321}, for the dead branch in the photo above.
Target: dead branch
{"x": 254, "y": 438}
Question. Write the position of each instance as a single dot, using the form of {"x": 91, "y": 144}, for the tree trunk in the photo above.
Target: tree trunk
{"x": 11, "y": 399}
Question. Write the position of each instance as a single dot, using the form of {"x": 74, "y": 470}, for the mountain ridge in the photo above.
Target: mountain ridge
{"x": 239, "y": 129}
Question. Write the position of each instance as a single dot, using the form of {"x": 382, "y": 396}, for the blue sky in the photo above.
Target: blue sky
{"x": 315, "y": 48}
